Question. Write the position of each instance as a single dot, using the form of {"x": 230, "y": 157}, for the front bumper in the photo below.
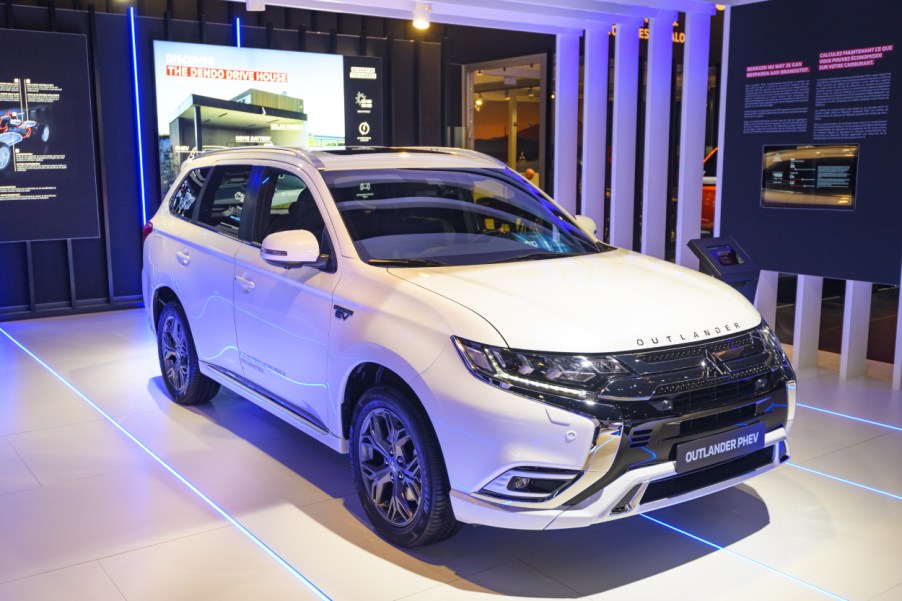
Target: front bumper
{"x": 636, "y": 491}
{"x": 626, "y": 468}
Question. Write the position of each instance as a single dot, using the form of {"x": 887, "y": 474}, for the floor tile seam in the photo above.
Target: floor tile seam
{"x": 747, "y": 559}
{"x": 75, "y": 423}
{"x": 112, "y": 581}
{"x": 101, "y": 558}
{"x": 224, "y": 525}
{"x": 538, "y": 569}
{"x": 46, "y": 572}
{"x": 845, "y": 448}
{"x": 22, "y": 460}
{"x": 881, "y": 593}
{"x": 142, "y": 461}
{"x": 853, "y": 445}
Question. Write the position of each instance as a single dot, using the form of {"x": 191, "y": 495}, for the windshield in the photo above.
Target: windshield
{"x": 422, "y": 217}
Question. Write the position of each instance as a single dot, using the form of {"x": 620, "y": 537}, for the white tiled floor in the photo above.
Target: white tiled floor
{"x": 86, "y": 513}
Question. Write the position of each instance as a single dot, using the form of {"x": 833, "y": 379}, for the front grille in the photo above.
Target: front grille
{"x": 675, "y": 486}
{"x": 706, "y": 395}
{"x": 724, "y": 418}
{"x": 698, "y": 350}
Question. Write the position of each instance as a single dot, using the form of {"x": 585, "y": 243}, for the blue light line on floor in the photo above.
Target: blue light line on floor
{"x": 843, "y": 480}
{"x": 852, "y": 417}
{"x": 210, "y": 502}
{"x": 746, "y": 558}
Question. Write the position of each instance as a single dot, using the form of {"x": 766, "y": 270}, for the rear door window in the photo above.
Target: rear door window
{"x": 224, "y": 199}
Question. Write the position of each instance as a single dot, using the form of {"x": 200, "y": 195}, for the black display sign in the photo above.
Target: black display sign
{"x": 48, "y": 186}
{"x": 363, "y": 101}
{"x": 812, "y": 132}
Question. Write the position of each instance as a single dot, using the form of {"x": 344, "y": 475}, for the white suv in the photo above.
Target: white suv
{"x": 481, "y": 357}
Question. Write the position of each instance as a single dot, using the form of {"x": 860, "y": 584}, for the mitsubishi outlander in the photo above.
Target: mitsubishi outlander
{"x": 481, "y": 356}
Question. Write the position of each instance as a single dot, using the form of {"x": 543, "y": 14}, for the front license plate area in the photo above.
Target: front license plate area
{"x": 720, "y": 447}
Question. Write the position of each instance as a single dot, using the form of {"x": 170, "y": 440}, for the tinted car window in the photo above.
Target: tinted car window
{"x": 224, "y": 199}
{"x": 451, "y": 217}
{"x": 288, "y": 205}
{"x": 182, "y": 201}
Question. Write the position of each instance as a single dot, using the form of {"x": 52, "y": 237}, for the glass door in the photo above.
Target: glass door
{"x": 504, "y": 112}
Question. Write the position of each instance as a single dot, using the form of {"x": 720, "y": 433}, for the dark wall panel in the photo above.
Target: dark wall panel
{"x": 403, "y": 97}
{"x": 51, "y": 273}
{"x": 14, "y": 271}
{"x": 118, "y": 138}
{"x": 429, "y": 70}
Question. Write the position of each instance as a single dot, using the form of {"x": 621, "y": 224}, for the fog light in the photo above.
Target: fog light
{"x": 519, "y": 483}
{"x": 760, "y": 383}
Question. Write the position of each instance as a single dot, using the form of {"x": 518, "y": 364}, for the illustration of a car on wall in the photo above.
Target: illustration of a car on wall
{"x": 15, "y": 126}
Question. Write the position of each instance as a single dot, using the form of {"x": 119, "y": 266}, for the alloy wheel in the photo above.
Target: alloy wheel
{"x": 175, "y": 353}
{"x": 390, "y": 467}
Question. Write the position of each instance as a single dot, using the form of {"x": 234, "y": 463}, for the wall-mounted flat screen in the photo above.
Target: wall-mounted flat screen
{"x": 218, "y": 96}
{"x": 810, "y": 176}
{"x": 48, "y": 179}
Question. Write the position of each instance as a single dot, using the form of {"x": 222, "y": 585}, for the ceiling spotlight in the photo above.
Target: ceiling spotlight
{"x": 507, "y": 94}
{"x": 532, "y": 93}
{"x": 256, "y": 5}
{"x": 478, "y": 99}
{"x": 719, "y": 6}
{"x": 421, "y": 12}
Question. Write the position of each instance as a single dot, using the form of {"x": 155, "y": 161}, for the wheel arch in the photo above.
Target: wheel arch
{"x": 161, "y": 297}
{"x": 363, "y": 377}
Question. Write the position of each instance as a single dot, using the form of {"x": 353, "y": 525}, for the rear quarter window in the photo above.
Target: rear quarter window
{"x": 183, "y": 199}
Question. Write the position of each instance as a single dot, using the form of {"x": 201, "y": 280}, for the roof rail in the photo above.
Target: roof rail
{"x": 463, "y": 152}
{"x": 295, "y": 152}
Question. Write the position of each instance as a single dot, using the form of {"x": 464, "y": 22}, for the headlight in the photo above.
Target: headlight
{"x": 576, "y": 377}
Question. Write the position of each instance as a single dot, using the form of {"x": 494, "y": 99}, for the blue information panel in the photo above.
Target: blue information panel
{"x": 48, "y": 182}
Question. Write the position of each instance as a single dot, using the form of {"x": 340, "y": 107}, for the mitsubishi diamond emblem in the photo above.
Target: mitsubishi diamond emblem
{"x": 714, "y": 365}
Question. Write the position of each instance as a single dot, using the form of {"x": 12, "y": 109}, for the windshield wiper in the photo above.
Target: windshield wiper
{"x": 533, "y": 257}
{"x": 409, "y": 262}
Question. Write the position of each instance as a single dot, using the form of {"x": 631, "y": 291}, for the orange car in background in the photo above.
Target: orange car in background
{"x": 709, "y": 191}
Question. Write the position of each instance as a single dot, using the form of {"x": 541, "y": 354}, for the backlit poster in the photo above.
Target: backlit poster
{"x": 212, "y": 97}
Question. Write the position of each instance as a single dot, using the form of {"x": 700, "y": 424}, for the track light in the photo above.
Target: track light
{"x": 421, "y": 12}
{"x": 256, "y": 5}
{"x": 478, "y": 99}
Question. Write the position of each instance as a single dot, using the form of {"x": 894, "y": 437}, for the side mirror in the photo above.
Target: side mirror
{"x": 292, "y": 248}
{"x": 587, "y": 224}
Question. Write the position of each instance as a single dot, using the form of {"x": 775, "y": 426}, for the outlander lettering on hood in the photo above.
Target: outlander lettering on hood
{"x": 669, "y": 339}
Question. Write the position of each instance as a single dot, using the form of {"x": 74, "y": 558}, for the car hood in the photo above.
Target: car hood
{"x": 612, "y": 301}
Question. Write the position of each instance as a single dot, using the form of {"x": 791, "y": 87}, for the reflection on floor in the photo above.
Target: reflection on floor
{"x": 87, "y": 511}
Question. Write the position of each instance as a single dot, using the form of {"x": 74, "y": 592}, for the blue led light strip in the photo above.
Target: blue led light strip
{"x": 844, "y": 481}
{"x": 852, "y": 417}
{"x": 238, "y": 32}
{"x": 131, "y": 22}
{"x": 234, "y": 522}
{"x": 746, "y": 558}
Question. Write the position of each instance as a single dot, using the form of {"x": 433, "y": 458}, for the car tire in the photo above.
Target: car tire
{"x": 398, "y": 470}
{"x": 6, "y": 156}
{"x": 178, "y": 359}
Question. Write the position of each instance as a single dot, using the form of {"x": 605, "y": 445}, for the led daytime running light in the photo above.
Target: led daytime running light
{"x": 535, "y": 384}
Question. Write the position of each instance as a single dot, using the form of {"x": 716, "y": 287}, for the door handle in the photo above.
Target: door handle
{"x": 183, "y": 256}
{"x": 245, "y": 282}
